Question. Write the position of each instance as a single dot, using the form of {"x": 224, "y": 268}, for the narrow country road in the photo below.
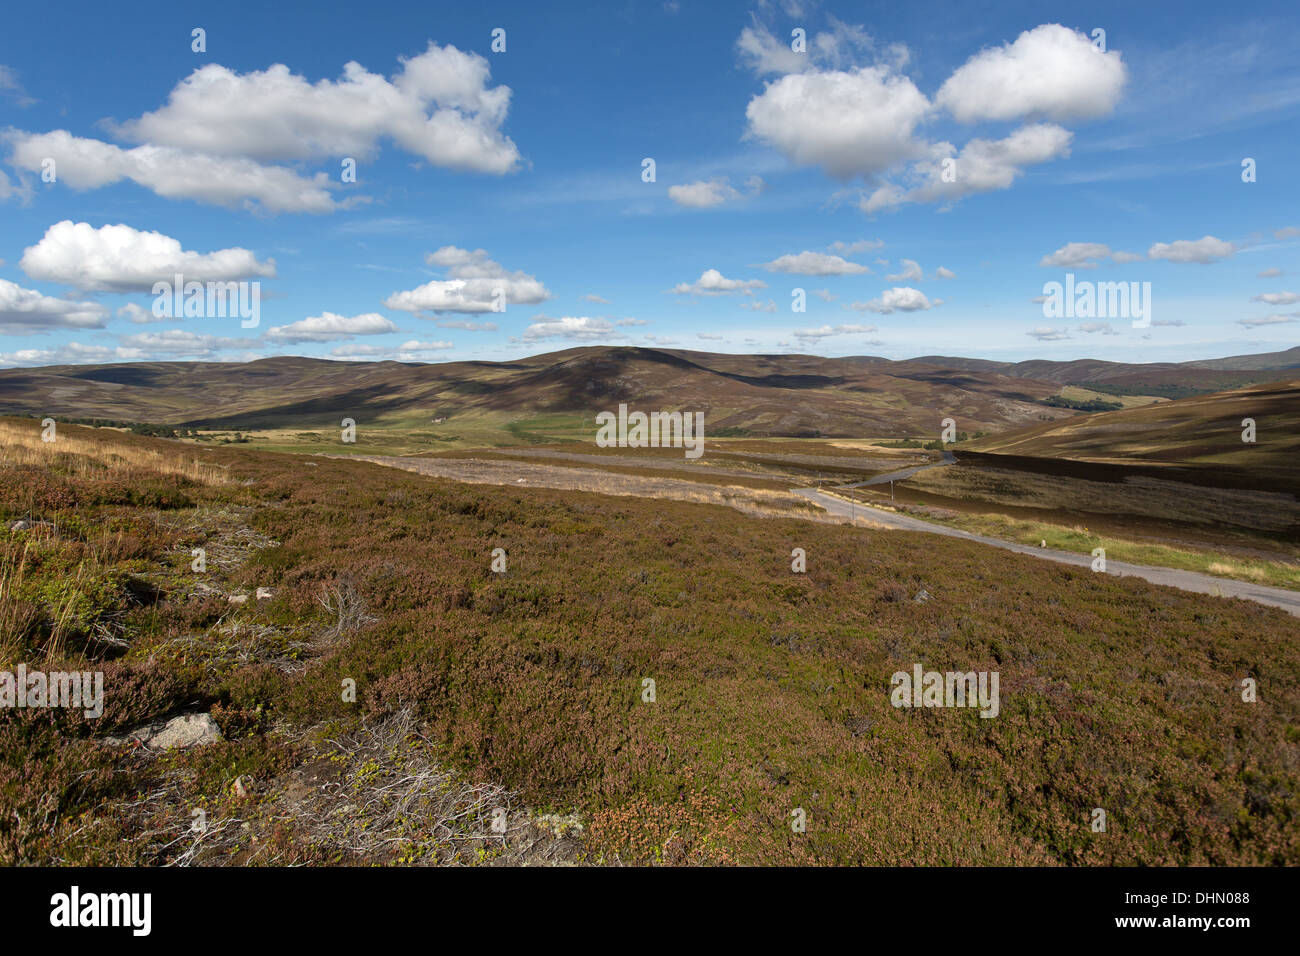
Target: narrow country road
{"x": 1289, "y": 601}
{"x": 948, "y": 459}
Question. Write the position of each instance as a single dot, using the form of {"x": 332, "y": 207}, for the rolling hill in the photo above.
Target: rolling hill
{"x": 761, "y": 395}
{"x": 1197, "y": 439}
{"x": 789, "y": 395}
{"x": 1201, "y": 376}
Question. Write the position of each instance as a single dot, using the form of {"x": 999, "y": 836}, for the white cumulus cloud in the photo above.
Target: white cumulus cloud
{"x": 176, "y": 342}
{"x": 702, "y": 195}
{"x": 1076, "y": 255}
{"x": 581, "y": 328}
{"x": 815, "y": 264}
{"x": 26, "y": 310}
{"x": 982, "y": 165}
{"x": 439, "y": 106}
{"x": 328, "y": 327}
{"x": 864, "y": 120}
{"x": 910, "y": 271}
{"x": 220, "y": 134}
{"x": 83, "y": 163}
{"x": 476, "y": 285}
{"x": 712, "y": 282}
{"x": 826, "y": 331}
{"x": 897, "y": 299}
{"x": 71, "y": 353}
{"x": 122, "y": 259}
{"x": 853, "y": 123}
{"x": 1050, "y": 71}
{"x": 1205, "y": 250}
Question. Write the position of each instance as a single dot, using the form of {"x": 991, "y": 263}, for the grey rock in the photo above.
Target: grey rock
{"x": 189, "y": 730}
{"x": 24, "y": 525}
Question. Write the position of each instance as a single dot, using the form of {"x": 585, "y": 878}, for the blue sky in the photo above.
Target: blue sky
{"x": 515, "y": 177}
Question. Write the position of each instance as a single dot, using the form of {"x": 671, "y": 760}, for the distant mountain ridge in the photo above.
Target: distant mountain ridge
{"x": 1084, "y": 371}
{"x": 768, "y": 394}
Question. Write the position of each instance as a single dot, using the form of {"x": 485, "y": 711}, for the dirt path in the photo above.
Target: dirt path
{"x": 516, "y": 474}
{"x": 683, "y": 466}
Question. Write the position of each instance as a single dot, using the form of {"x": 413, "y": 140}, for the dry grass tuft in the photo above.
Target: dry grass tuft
{"x": 348, "y": 610}
{"x": 83, "y": 453}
